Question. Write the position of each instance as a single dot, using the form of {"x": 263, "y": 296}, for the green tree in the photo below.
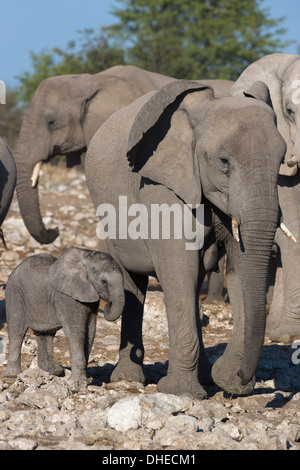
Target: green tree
{"x": 90, "y": 53}
{"x": 196, "y": 38}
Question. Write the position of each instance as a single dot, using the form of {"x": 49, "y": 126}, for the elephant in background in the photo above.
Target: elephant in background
{"x": 8, "y": 177}
{"x": 184, "y": 145}
{"x": 281, "y": 72}
{"x": 45, "y": 293}
{"x": 61, "y": 119}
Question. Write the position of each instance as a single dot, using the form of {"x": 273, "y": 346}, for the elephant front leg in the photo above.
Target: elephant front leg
{"x": 185, "y": 351}
{"x": 225, "y": 369}
{"x": 283, "y": 323}
{"x": 78, "y": 328}
{"x": 178, "y": 276}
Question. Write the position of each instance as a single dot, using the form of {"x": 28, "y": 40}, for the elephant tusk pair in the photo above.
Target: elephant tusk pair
{"x": 235, "y": 230}
{"x": 35, "y": 174}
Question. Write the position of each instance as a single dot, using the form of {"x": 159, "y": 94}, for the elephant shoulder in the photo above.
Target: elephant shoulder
{"x": 33, "y": 267}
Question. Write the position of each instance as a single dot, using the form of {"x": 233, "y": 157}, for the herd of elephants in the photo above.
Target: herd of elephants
{"x": 233, "y": 147}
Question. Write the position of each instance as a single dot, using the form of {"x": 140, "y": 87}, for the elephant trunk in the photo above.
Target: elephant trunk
{"x": 27, "y": 192}
{"x": 257, "y": 235}
{"x": 116, "y": 298}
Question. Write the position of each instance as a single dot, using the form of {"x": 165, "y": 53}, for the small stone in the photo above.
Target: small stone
{"x": 205, "y": 424}
{"x": 38, "y": 399}
{"x": 182, "y": 423}
{"x": 22, "y": 443}
{"x": 125, "y": 414}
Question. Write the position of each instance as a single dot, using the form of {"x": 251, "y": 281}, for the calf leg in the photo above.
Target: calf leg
{"x": 16, "y": 325}
{"x": 45, "y": 354}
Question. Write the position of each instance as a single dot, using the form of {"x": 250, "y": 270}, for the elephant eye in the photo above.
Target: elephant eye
{"x": 224, "y": 165}
{"x": 290, "y": 113}
{"x": 51, "y": 124}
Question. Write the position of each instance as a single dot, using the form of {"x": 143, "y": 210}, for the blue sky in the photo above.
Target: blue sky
{"x": 34, "y": 25}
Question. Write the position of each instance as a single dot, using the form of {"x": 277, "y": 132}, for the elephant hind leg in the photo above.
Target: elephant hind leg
{"x": 13, "y": 367}
{"x": 45, "y": 354}
{"x": 131, "y": 354}
{"x": 17, "y": 328}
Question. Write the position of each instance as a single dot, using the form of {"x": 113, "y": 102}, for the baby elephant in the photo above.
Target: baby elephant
{"x": 45, "y": 294}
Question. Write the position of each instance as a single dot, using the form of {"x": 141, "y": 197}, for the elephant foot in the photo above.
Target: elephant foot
{"x": 12, "y": 370}
{"x": 273, "y": 320}
{"x": 128, "y": 370}
{"x": 230, "y": 381}
{"x": 188, "y": 385}
{"x": 78, "y": 384}
{"x": 285, "y": 333}
{"x": 52, "y": 368}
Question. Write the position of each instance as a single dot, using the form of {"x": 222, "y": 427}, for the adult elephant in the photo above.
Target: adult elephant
{"x": 62, "y": 117}
{"x": 7, "y": 179}
{"x": 184, "y": 146}
{"x": 281, "y": 72}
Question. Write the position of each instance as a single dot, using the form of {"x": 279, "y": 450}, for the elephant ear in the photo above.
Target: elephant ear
{"x": 68, "y": 275}
{"x": 102, "y": 95}
{"x": 260, "y": 91}
{"x": 161, "y": 145}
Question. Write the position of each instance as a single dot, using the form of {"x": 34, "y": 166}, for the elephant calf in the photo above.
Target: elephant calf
{"x": 45, "y": 294}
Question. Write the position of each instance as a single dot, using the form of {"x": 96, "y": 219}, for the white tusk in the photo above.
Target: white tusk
{"x": 35, "y": 174}
{"x": 235, "y": 229}
{"x": 287, "y": 232}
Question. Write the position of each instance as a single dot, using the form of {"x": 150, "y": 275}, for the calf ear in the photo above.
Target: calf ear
{"x": 161, "y": 145}
{"x": 68, "y": 275}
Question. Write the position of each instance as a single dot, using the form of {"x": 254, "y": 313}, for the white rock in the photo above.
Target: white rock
{"x": 125, "y": 414}
{"x": 38, "y": 399}
{"x": 22, "y": 443}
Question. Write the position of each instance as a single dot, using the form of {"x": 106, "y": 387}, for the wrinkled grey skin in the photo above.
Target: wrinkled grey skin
{"x": 182, "y": 144}
{"x": 281, "y": 72}
{"x": 61, "y": 119}
{"x": 45, "y": 293}
{"x": 7, "y": 179}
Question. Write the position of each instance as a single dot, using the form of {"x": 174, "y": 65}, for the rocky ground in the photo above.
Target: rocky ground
{"x": 39, "y": 411}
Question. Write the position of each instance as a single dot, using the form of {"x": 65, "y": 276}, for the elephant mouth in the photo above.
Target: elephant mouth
{"x": 72, "y": 159}
{"x": 282, "y": 226}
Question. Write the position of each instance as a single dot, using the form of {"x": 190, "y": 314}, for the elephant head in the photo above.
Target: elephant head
{"x": 227, "y": 149}
{"x": 61, "y": 119}
{"x": 86, "y": 276}
{"x": 281, "y": 73}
